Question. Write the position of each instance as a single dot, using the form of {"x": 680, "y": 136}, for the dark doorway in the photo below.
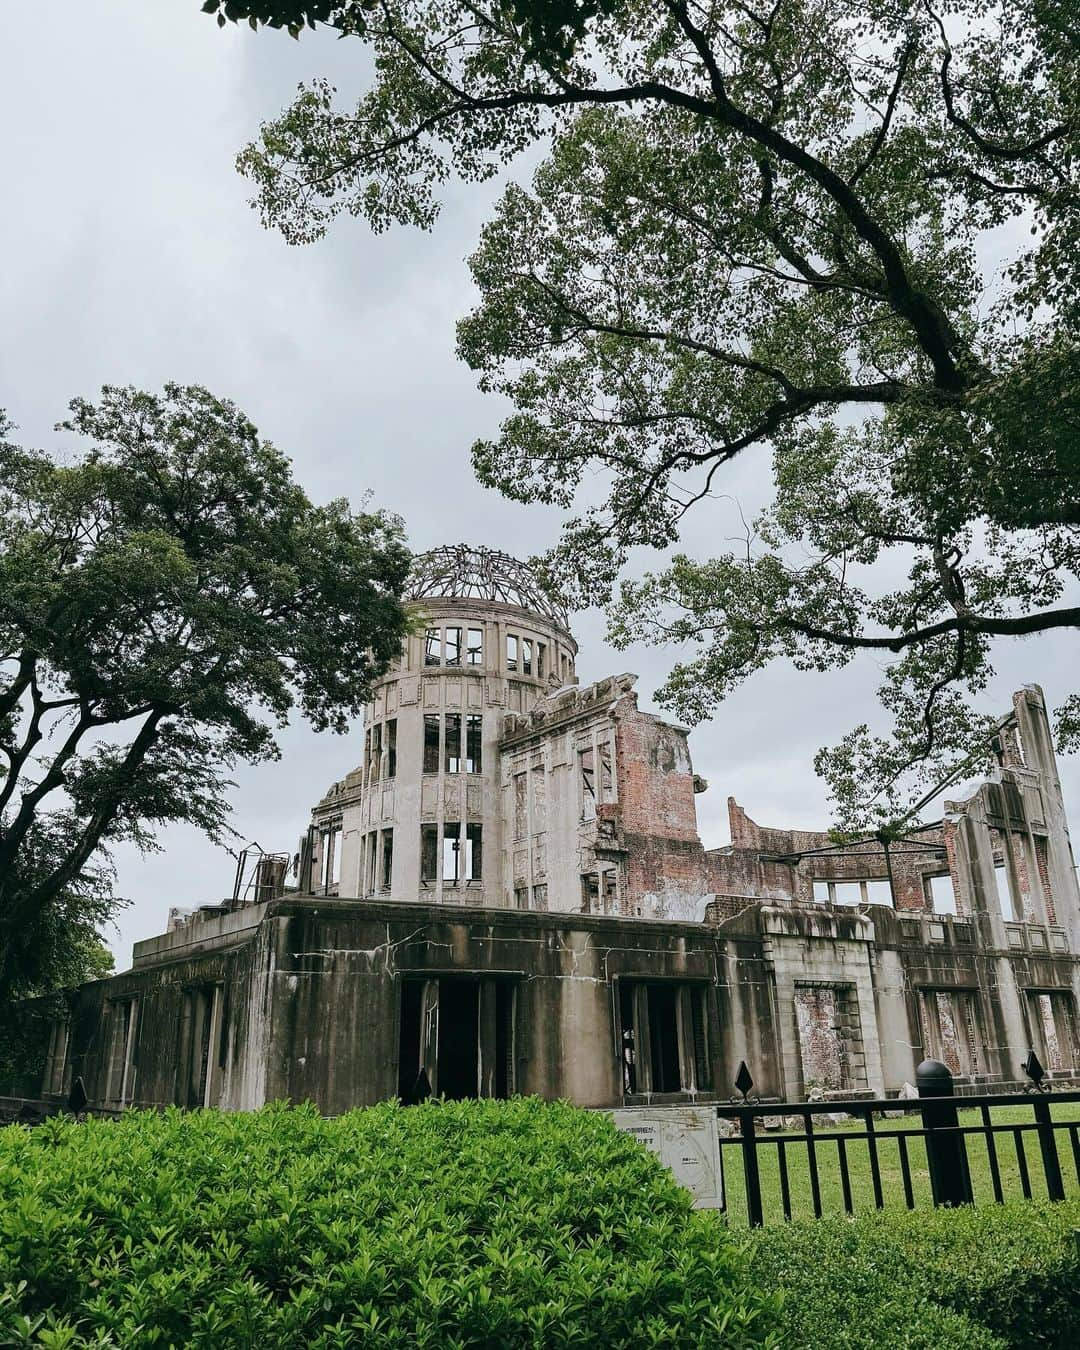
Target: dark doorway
{"x": 459, "y": 1032}
{"x": 664, "y": 1038}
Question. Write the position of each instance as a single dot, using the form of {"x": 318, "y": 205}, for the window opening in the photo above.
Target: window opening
{"x": 540, "y": 651}
{"x": 476, "y": 647}
{"x": 474, "y": 726}
{"x": 940, "y": 894}
{"x": 452, "y": 647}
{"x": 540, "y": 896}
{"x": 433, "y": 648}
{"x": 526, "y": 656}
{"x": 853, "y": 891}
{"x": 431, "y": 743}
{"x": 1004, "y": 894}
{"x": 429, "y": 852}
{"x": 387, "y": 858}
{"x": 391, "y": 748}
{"x": 474, "y": 852}
{"x": 511, "y": 652}
{"x": 376, "y": 753}
{"x": 452, "y": 750}
{"x": 451, "y": 854}
{"x": 590, "y": 893}
{"x": 663, "y": 1040}
{"x": 456, "y": 1038}
{"x": 587, "y": 775}
{"x": 521, "y": 897}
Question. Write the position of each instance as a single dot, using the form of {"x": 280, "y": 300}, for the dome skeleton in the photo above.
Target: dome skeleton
{"x": 460, "y": 572}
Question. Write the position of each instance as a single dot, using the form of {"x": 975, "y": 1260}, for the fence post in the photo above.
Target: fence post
{"x": 946, "y": 1154}
{"x": 1055, "y": 1187}
{"x": 750, "y": 1170}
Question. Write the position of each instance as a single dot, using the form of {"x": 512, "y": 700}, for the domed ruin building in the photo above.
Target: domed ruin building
{"x": 509, "y": 894}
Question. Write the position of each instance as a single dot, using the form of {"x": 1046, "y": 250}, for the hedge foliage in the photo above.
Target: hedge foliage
{"x": 461, "y": 1224}
{"x": 964, "y": 1279}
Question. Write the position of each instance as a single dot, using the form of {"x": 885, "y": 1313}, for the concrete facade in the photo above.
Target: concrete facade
{"x": 510, "y": 895}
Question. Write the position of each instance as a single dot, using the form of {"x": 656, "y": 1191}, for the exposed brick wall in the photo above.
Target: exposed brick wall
{"x": 739, "y": 870}
{"x": 656, "y": 815}
{"x": 1043, "y": 863}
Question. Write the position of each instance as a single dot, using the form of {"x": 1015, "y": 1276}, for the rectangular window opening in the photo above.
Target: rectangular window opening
{"x": 451, "y": 854}
{"x": 475, "y": 647}
{"x": 391, "y": 748}
{"x": 452, "y": 750}
{"x": 474, "y": 852}
{"x": 433, "y": 647}
{"x": 526, "y": 656}
{"x": 511, "y": 652}
{"x": 474, "y": 728}
{"x": 452, "y": 647}
{"x": 387, "y": 858}
{"x": 431, "y": 743}
{"x": 429, "y": 853}
{"x": 456, "y": 1038}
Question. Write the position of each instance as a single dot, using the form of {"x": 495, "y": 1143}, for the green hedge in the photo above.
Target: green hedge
{"x": 996, "y": 1275}
{"x": 461, "y": 1224}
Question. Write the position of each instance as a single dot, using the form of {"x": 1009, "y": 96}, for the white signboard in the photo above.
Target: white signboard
{"x": 685, "y": 1139}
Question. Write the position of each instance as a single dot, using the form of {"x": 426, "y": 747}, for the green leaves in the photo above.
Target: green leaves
{"x": 166, "y": 602}
{"x": 452, "y": 1224}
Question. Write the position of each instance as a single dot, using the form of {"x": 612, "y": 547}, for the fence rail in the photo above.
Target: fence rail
{"x": 944, "y": 1139}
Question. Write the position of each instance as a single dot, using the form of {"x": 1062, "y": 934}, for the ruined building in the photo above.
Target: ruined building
{"x": 509, "y": 894}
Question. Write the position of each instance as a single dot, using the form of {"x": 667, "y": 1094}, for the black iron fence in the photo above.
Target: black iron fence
{"x": 799, "y": 1168}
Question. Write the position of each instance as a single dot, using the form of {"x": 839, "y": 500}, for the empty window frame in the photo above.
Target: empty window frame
{"x": 540, "y": 896}
{"x": 940, "y": 896}
{"x": 329, "y": 856}
{"x": 391, "y": 748}
{"x": 475, "y": 648}
{"x": 431, "y": 742}
{"x": 853, "y": 891}
{"x": 663, "y": 1037}
{"x": 375, "y": 756}
{"x": 372, "y": 865}
{"x": 387, "y": 861}
{"x": 451, "y": 853}
{"x": 474, "y": 852}
{"x": 120, "y": 1078}
{"x": 511, "y": 652}
{"x": 456, "y": 1038}
{"x": 521, "y": 897}
{"x": 1052, "y": 1029}
{"x": 452, "y": 646}
{"x": 433, "y": 647}
{"x": 526, "y": 656}
{"x": 452, "y": 743}
{"x": 594, "y": 789}
{"x": 541, "y": 651}
{"x": 203, "y": 1046}
{"x": 55, "y": 1080}
{"x": 951, "y": 1028}
{"x": 474, "y": 740}
{"x": 1004, "y": 893}
{"x": 429, "y": 853}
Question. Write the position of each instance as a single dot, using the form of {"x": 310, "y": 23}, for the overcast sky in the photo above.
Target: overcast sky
{"x": 130, "y": 255}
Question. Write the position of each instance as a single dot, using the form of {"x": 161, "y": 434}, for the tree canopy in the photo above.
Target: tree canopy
{"x": 840, "y": 232}
{"x": 166, "y": 600}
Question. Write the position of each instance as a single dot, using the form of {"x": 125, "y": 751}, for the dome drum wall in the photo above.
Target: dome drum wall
{"x": 421, "y": 819}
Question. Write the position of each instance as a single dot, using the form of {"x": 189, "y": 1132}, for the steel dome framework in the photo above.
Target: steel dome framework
{"x": 460, "y": 572}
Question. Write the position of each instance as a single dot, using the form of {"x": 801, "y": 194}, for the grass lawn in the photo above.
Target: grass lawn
{"x": 862, "y": 1192}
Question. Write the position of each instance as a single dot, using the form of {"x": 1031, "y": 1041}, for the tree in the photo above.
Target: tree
{"x": 840, "y": 231}
{"x": 165, "y": 601}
